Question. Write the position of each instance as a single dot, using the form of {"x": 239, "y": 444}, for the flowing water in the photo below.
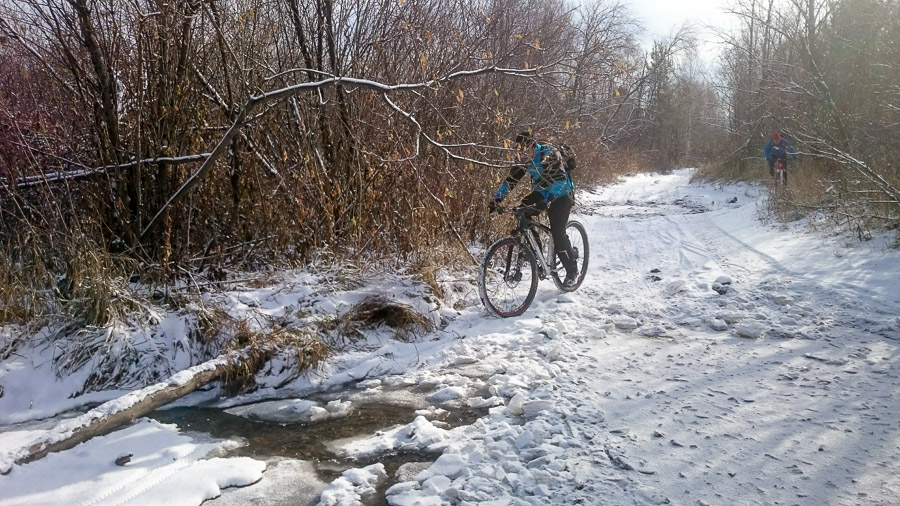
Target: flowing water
{"x": 310, "y": 441}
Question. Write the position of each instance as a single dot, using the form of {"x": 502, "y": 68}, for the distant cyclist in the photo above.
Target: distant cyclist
{"x": 552, "y": 190}
{"x": 778, "y": 148}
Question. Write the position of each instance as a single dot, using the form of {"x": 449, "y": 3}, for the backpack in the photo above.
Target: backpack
{"x": 567, "y": 157}
{"x": 561, "y": 157}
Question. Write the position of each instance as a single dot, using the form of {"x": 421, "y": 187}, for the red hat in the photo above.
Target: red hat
{"x": 776, "y": 136}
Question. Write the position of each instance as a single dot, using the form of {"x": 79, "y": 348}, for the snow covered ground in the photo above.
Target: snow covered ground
{"x": 709, "y": 358}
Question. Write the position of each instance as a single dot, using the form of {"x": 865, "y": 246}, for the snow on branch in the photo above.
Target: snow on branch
{"x": 49, "y": 177}
{"x": 865, "y": 170}
{"x": 387, "y": 88}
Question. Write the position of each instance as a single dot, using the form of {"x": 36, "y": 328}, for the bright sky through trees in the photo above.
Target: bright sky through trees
{"x": 662, "y": 18}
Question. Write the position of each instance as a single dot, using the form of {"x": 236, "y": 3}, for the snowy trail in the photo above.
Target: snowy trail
{"x": 804, "y": 413}
{"x": 782, "y": 389}
{"x": 708, "y": 358}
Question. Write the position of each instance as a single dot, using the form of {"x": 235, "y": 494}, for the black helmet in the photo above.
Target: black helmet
{"x": 524, "y": 138}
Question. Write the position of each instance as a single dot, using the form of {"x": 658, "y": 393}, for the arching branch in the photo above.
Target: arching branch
{"x": 241, "y": 119}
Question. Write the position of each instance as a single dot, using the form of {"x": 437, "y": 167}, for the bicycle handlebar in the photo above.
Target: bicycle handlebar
{"x": 520, "y": 210}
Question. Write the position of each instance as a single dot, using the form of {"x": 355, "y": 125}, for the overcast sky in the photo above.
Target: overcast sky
{"x": 662, "y": 18}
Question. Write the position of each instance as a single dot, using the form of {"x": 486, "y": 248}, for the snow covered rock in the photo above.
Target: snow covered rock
{"x": 654, "y": 330}
{"x": 615, "y": 308}
{"x": 447, "y": 395}
{"x": 516, "y": 405}
{"x": 788, "y": 321}
{"x": 724, "y": 280}
{"x": 751, "y": 329}
{"x": 316, "y": 414}
{"x": 291, "y": 410}
{"x": 532, "y": 408}
{"x": 417, "y": 435}
{"x": 481, "y": 402}
{"x": 399, "y": 381}
{"x": 676, "y": 286}
{"x": 551, "y": 353}
{"x": 731, "y": 317}
{"x": 338, "y": 407}
{"x": 718, "y": 324}
{"x": 370, "y": 383}
{"x": 448, "y": 465}
{"x": 783, "y": 300}
{"x": 408, "y": 471}
{"x": 353, "y": 486}
{"x": 623, "y": 322}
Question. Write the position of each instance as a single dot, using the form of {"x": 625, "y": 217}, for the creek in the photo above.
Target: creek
{"x": 314, "y": 442}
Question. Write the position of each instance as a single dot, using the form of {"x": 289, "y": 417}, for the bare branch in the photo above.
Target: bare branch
{"x": 242, "y": 118}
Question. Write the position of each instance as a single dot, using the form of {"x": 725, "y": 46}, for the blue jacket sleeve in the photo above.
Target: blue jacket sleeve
{"x": 767, "y": 151}
{"x": 515, "y": 174}
{"x": 790, "y": 149}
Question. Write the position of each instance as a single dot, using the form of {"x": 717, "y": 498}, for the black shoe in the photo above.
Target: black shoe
{"x": 570, "y": 281}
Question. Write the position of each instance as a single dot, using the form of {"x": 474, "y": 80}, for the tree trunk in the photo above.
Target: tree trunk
{"x": 110, "y": 415}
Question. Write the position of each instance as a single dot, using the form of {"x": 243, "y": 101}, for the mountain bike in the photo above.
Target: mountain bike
{"x": 508, "y": 277}
{"x": 779, "y": 174}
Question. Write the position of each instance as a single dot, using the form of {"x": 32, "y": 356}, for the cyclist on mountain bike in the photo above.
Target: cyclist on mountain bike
{"x": 552, "y": 190}
{"x": 777, "y": 148}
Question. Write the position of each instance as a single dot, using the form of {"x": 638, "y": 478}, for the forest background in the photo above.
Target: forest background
{"x": 151, "y": 150}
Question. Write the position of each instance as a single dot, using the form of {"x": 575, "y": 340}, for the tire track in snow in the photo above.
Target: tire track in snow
{"x": 712, "y": 386}
{"x": 711, "y": 240}
{"x": 829, "y": 301}
{"x": 150, "y": 476}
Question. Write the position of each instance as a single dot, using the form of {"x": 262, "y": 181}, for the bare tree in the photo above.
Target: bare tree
{"x": 823, "y": 71}
{"x": 379, "y": 92}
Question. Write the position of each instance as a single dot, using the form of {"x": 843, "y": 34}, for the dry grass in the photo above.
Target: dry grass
{"x": 88, "y": 292}
{"x": 65, "y": 275}
{"x": 210, "y": 323}
{"x": 405, "y": 322}
{"x": 842, "y": 198}
{"x": 255, "y": 348}
{"x": 95, "y": 288}
{"x": 25, "y": 282}
{"x": 606, "y": 167}
{"x": 846, "y": 202}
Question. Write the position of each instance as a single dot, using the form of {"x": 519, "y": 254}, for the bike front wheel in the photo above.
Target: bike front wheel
{"x": 579, "y": 241}
{"x": 508, "y": 278}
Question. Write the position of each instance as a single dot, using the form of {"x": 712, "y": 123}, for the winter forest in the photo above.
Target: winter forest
{"x": 165, "y": 138}
{"x": 153, "y": 152}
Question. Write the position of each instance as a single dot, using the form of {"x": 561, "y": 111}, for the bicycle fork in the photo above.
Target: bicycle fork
{"x": 516, "y": 274}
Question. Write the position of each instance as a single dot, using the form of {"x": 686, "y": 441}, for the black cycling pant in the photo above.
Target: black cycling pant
{"x": 558, "y": 213}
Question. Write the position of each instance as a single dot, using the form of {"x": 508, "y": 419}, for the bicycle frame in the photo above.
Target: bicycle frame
{"x": 779, "y": 171}
{"x": 526, "y": 228}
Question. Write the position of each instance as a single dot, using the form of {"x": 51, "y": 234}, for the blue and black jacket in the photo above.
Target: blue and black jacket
{"x": 548, "y": 176}
{"x": 780, "y": 149}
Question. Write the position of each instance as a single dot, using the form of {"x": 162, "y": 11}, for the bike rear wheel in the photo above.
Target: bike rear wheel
{"x": 508, "y": 278}
{"x": 579, "y": 240}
